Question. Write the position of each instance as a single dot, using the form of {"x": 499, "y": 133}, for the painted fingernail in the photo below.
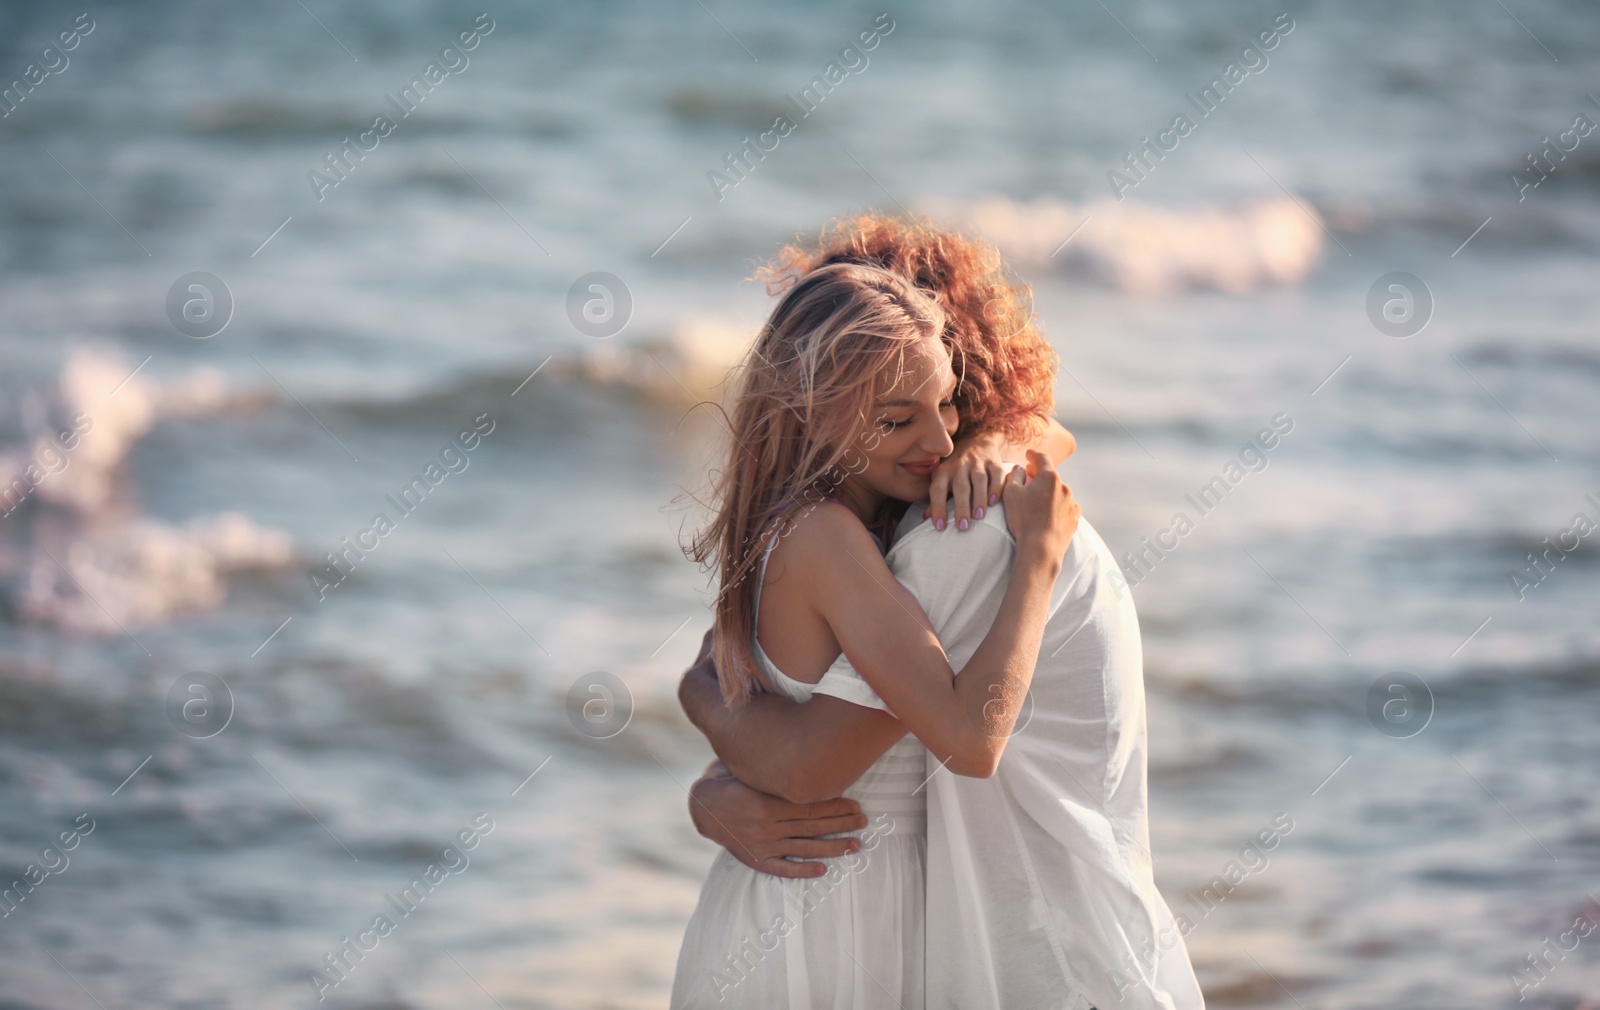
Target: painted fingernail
{"x": 938, "y": 524}
{"x": 993, "y": 498}
{"x": 978, "y": 514}
{"x": 961, "y": 524}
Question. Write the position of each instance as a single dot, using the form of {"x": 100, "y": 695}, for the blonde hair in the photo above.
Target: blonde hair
{"x": 835, "y": 344}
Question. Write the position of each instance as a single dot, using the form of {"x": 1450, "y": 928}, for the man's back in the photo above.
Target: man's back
{"x": 1039, "y": 879}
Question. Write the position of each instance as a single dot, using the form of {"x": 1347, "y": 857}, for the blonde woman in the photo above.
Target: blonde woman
{"x": 845, "y": 408}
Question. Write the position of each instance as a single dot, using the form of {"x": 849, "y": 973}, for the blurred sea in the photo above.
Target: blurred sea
{"x": 423, "y": 291}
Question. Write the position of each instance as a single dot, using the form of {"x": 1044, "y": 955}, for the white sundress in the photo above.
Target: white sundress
{"x": 852, "y": 937}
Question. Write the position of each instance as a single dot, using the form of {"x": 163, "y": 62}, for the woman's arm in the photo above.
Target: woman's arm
{"x": 803, "y": 753}
{"x": 971, "y": 476}
{"x": 964, "y": 720}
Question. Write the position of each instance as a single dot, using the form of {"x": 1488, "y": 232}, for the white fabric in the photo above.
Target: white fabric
{"x": 850, "y": 938}
{"x": 1039, "y": 891}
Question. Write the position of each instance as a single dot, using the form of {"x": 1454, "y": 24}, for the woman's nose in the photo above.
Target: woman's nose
{"x": 938, "y": 441}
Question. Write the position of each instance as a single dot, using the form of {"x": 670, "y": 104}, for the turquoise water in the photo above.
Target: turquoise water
{"x": 375, "y": 715}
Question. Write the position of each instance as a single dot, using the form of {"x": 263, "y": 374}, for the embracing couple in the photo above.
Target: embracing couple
{"x": 929, "y": 716}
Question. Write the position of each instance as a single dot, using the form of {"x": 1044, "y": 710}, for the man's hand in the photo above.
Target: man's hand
{"x": 761, "y": 830}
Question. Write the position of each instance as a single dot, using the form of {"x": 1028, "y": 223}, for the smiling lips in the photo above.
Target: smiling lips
{"x": 922, "y": 468}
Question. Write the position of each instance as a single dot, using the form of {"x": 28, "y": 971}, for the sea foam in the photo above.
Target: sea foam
{"x": 76, "y": 554}
{"x": 1148, "y": 249}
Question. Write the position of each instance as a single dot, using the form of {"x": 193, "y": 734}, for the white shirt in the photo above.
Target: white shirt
{"x": 1040, "y": 892}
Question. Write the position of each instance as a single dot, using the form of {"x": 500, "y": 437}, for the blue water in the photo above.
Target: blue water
{"x": 424, "y": 290}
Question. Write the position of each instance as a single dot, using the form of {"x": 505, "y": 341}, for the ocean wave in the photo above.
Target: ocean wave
{"x": 1481, "y": 687}
{"x": 74, "y": 552}
{"x": 267, "y": 119}
{"x": 38, "y": 705}
{"x": 142, "y": 573}
{"x": 689, "y": 362}
{"x": 1148, "y": 249}
{"x": 1513, "y": 352}
{"x": 692, "y": 361}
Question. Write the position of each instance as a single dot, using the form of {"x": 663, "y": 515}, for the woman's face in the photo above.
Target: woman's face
{"x": 911, "y": 430}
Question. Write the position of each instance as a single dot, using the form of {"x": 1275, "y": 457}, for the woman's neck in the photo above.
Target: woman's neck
{"x": 863, "y": 501}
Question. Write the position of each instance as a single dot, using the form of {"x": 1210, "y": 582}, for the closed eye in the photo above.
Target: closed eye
{"x": 887, "y": 423}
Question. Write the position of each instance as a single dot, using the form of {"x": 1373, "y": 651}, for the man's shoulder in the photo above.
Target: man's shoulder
{"x": 987, "y": 536}
{"x": 914, "y": 530}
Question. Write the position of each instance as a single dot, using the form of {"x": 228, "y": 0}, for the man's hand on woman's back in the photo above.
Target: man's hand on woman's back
{"x": 763, "y": 831}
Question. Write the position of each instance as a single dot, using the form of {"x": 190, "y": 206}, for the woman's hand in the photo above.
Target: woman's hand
{"x": 1040, "y": 510}
{"x": 762, "y": 831}
{"x": 970, "y": 477}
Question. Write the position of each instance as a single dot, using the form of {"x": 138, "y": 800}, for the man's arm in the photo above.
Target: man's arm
{"x": 763, "y": 831}
{"x": 802, "y": 753}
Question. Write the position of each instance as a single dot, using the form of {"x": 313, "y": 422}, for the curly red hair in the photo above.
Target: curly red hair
{"x": 1007, "y": 369}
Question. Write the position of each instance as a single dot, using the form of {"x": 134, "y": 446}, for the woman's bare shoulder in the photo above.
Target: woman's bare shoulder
{"x": 817, "y": 537}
